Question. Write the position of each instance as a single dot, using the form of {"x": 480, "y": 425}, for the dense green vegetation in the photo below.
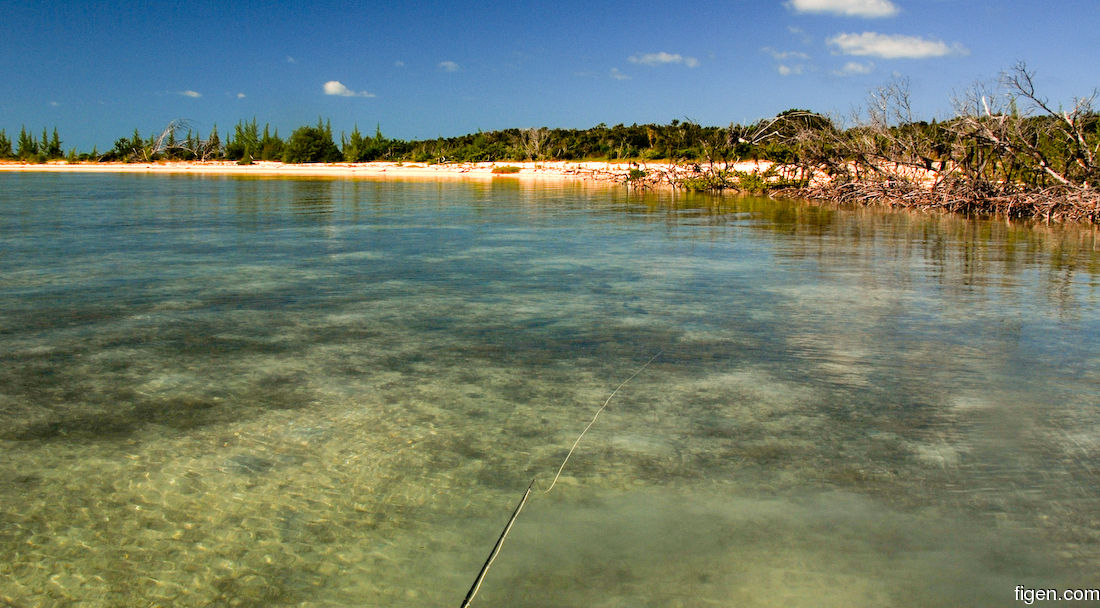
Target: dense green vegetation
{"x": 312, "y": 145}
{"x": 31, "y": 150}
{"x": 680, "y": 141}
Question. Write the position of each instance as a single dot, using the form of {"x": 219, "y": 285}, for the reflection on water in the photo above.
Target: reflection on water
{"x": 263, "y": 392}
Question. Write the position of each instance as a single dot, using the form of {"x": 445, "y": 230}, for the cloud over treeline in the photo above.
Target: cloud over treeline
{"x": 335, "y": 87}
{"x": 664, "y": 58}
{"x": 846, "y": 8}
{"x": 893, "y": 46}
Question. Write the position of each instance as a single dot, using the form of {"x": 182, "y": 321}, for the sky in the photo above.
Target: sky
{"x": 98, "y": 70}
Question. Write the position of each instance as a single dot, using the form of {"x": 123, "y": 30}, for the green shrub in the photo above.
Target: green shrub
{"x": 311, "y": 145}
{"x": 708, "y": 181}
{"x": 506, "y": 169}
{"x": 753, "y": 182}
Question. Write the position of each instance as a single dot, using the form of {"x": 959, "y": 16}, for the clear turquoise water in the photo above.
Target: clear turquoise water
{"x": 263, "y": 392}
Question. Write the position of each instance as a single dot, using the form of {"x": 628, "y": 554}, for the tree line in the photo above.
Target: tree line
{"x": 30, "y": 149}
{"x": 679, "y": 141}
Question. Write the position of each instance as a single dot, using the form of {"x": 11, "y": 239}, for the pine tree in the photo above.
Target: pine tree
{"x": 28, "y": 148}
{"x": 245, "y": 141}
{"x": 354, "y": 148}
{"x": 213, "y": 148}
{"x": 136, "y": 145}
{"x": 271, "y": 147}
{"x": 252, "y": 134}
{"x": 171, "y": 149}
{"x": 149, "y": 148}
{"x": 377, "y": 145}
{"x": 54, "y": 149}
{"x": 5, "y": 146}
{"x": 191, "y": 143}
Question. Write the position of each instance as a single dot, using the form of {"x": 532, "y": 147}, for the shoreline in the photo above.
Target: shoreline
{"x": 377, "y": 169}
{"x": 585, "y": 171}
{"x": 914, "y": 190}
{"x": 603, "y": 171}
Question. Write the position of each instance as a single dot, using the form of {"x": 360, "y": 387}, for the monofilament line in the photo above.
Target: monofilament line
{"x": 512, "y": 520}
{"x": 496, "y": 549}
{"x": 598, "y": 412}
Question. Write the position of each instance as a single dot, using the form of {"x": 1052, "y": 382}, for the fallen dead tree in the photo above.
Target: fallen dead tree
{"x": 1008, "y": 151}
{"x": 1052, "y": 204}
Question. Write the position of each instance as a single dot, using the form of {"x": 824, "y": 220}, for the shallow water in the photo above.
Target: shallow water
{"x": 267, "y": 392}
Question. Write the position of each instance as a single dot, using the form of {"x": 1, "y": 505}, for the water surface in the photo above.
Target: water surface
{"x": 220, "y": 391}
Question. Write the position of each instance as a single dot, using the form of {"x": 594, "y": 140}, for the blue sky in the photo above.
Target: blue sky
{"x": 98, "y": 70}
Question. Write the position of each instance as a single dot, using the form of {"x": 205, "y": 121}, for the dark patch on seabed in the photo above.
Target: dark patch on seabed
{"x": 94, "y": 410}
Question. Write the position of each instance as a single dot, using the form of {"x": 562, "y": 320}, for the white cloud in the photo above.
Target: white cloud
{"x": 664, "y": 58}
{"x": 190, "y": 93}
{"x": 781, "y": 55}
{"x": 847, "y": 8}
{"x": 290, "y": 59}
{"x": 448, "y": 66}
{"x": 399, "y": 64}
{"x": 335, "y": 87}
{"x": 786, "y": 68}
{"x": 55, "y": 104}
{"x": 617, "y": 75}
{"x": 893, "y": 46}
{"x": 801, "y": 33}
{"x": 854, "y": 68}
{"x": 240, "y": 95}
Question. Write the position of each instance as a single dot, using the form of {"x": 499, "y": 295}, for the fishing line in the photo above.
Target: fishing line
{"x": 496, "y": 548}
{"x": 523, "y": 501}
{"x": 598, "y": 412}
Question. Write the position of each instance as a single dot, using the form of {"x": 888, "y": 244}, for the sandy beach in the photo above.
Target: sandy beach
{"x": 596, "y": 171}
